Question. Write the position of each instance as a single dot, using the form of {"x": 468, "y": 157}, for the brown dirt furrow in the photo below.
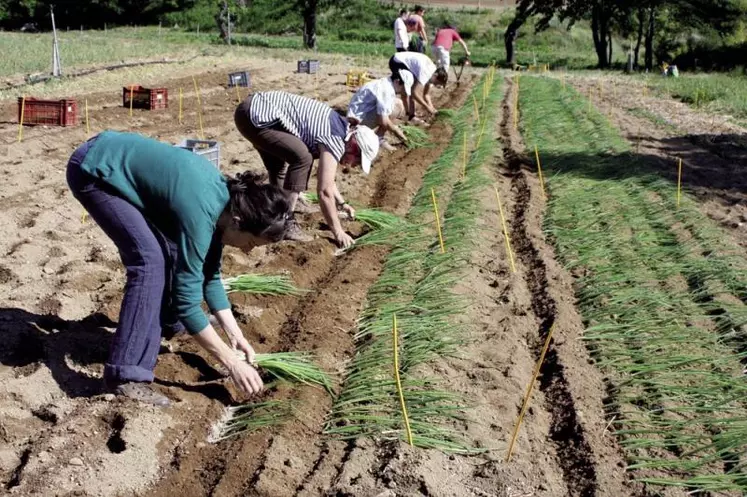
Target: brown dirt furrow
{"x": 574, "y": 390}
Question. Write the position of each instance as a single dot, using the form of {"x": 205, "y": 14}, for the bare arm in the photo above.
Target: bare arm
{"x": 464, "y": 46}
{"x": 328, "y": 195}
{"x": 420, "y": 95}
{"x": 388, "y": 125}
{"x": 243, "y": 374}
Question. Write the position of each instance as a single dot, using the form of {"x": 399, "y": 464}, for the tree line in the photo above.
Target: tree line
{"x": 652, "y": 29}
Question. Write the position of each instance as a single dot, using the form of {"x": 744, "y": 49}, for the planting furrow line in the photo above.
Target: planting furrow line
{"x": 412, "y": 288}
{"x": 573, "y": 449}
{"x": 677, "y": 388}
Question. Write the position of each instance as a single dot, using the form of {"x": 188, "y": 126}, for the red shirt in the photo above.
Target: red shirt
{"x": 446, "y": 38}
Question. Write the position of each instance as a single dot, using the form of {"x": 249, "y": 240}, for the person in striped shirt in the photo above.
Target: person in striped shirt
{"x": 290, "y": 131}
{"x": 373, "y": 104}
{"x": 426, "y": 75}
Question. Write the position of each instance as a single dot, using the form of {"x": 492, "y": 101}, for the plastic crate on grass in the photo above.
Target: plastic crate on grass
{"x": 53, "y": 112}
{"x": 241, "y": 78}
{"x": 308, "y": 66}
{"x": 145, "y": 98}
{"x": 208, "y": 149}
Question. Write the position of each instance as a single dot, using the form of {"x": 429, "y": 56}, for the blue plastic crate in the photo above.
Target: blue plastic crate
{"x": 208, "y": 149}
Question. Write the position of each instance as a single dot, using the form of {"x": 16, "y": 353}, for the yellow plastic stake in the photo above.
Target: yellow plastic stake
{"x": 679, "y": 182}
{"x": 181, "y": 96}
{"x": 464, "y": 155}
{"x": 88, "y": 126}
{"x": 84, "y": 217}
{"x": 438, "y": 221}
{"x": 477, "y": 112}
{"x": 539, "y": 172}
{"x": 20, "y": 122}
{"x": 506, "y": 236}
{"x": 395, "y": 340}
{"x": 529, "y": 393}
{"x": 482, "y": 130}
{"x": 132, "y": 89}
{"x": 199, "y": 107}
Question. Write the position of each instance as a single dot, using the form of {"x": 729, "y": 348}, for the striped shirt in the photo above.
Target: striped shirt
{"x": 309, "y": 120}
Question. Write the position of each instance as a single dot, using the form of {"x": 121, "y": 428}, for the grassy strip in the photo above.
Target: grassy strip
{"x": 653, "y": 285}
{"x": 415, "y": 285}
{"x": 262, "y": 284}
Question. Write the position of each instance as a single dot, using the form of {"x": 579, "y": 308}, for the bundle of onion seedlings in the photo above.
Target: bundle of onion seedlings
{"x": 247, "y": 418}
{"x": 294, "y": 367}
{"x": 416, "y": 137}
{"x": 262, "y": 284}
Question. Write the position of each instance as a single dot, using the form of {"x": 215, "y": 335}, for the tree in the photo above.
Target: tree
{"x": 525, "y": 9}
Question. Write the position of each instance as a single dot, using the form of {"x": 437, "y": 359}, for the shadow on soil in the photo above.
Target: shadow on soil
{"x": 723, "y": 180}
{"x": 30, "y": 339}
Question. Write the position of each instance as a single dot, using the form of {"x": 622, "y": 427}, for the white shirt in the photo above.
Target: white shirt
{"x": 374, "y": 98}
{"x": 420, "y": 65}
{"x": 401, "y": 38}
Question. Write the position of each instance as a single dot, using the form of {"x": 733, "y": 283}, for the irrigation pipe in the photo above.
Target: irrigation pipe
{"x": 395, "y": 346}
{"x": 438, "y": 221}
{"x": 539, "y": 172}
{"x": 505, "y": 231}
{"x": 199, "y": 107}
{"x": 529, "y": 393}
{"x": 20, "y": 122}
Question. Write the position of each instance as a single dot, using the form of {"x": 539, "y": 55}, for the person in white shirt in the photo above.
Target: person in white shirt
{"x": 401, "y": 36}
{"x": 426, "y": 75}
{"x": 373, "y": 104}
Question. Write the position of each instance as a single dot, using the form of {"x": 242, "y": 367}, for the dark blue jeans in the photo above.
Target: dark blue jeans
{"x": 149, "y": 258}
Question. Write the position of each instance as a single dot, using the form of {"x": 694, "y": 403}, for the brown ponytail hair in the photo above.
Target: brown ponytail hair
{"x": 260, "y": 209}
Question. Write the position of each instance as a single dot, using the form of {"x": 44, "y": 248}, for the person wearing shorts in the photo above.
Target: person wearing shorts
{"x": 425, "y": 75}
{"x": 169, "y": 212}
{"x": 442, "y": 43}
{"x": 289, "y": 131}
{"x": 374, "y": 103}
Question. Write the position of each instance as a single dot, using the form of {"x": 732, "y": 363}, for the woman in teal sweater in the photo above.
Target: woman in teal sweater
{"x": 169, "y": 212}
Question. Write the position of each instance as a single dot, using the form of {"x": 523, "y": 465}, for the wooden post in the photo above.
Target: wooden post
{"x": 20, "y": 123}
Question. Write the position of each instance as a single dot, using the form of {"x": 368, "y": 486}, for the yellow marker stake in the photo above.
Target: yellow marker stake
{"x": 539, "y": 172}
{"x": 482, "y": 130}
{"x": 477, "y": 112}
{"x": 679, "y": 183}
{"x": 529, "y": 393}
{"x": 132, "y": 89}
{"x": 84, "y": 217}
{"x": 464, "y": 155}
{"x": 199, "y": 107}
{"x": 397, "y": 380}
{"x": 438, "y": 221}
{"x": 181, "y": 96}
{"x": 88, "y": 127}
{"x": 20, "y": 123}
{"x": 506, "y": 237}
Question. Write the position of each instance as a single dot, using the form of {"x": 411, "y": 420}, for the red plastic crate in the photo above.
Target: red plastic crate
{"x": 52, "y": 112}
{"x": 145, "y": 98}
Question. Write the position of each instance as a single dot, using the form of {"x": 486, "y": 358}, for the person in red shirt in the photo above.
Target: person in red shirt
{"x": 442, "y": 44}
{"x": 416, "y": 24}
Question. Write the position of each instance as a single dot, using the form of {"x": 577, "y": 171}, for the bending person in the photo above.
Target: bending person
{"x": 290, "y": 131}
{"x": 373, "y": 104}
{"x": 426, "y": 75}
{"x": 442, "y": 43}
{"x": 169, "y": 212}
